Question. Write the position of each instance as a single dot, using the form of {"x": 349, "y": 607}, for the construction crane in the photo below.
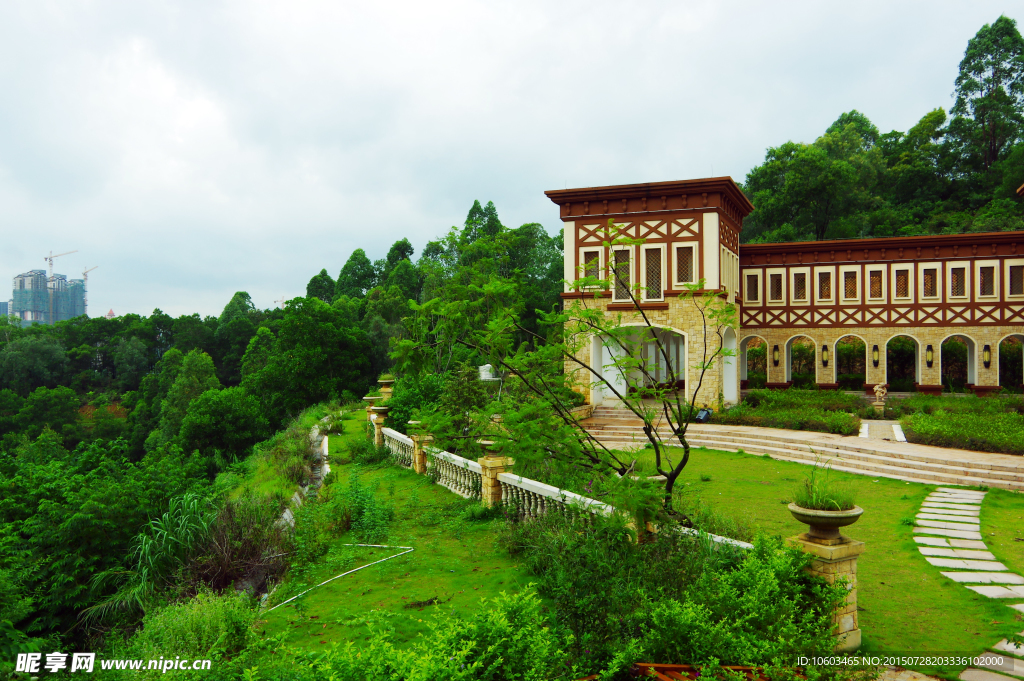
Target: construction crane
{"x": 49, "y": 259}
{"x": 280, "y": 303}
{"x": 85, "y": 290}
{"x": 50, "y": 289}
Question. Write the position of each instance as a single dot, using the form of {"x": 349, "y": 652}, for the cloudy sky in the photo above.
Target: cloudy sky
{"x": 193, "y": 149}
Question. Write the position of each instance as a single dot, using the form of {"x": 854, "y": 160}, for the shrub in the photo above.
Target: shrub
{"x": 819, "y": 493}
{"x": 364, "y": 451}
{"x": 412, "y": 394}
{"x": 829, "y": 411}
{"x": 996, "y": 432}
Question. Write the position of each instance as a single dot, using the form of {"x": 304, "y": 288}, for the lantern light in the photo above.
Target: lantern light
{"x": 986, "y": 356}
{"x": 874, "y": 356}
{"x": 824, "y": 355}
{"x": 775, "y": 356}
{"x": 929, "y": 356}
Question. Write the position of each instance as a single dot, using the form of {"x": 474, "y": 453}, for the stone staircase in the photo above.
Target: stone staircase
{"x": 620, "y": 429}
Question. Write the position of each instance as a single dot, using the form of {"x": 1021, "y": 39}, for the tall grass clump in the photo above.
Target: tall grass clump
{"x": 818, "y": 492}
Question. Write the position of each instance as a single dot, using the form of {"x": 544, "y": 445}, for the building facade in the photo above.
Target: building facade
{"x": 927, "y": 289}
{"x": 37, "y": 299}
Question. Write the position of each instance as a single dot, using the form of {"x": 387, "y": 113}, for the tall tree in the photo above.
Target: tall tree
{"x": 357, "y": 276}
{"x": 197, "y": 375}
{"x": 988, "y": 116}
{"x": 321, "y": 286}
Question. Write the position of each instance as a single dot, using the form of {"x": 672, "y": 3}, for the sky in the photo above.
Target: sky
{"x": 193, "y": 149}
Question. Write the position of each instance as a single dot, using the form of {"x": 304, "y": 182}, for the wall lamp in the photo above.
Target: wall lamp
{"x": 775, "y": 356}
{"x": 986, "y": 356}
{"x": 824, "y": 355}
{"x": 929, "y": 356}
{"x": 874, "y": 356}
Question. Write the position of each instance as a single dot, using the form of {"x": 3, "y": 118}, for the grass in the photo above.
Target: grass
{"x": 455, "y": 561}
{"x": 908, "y": 606}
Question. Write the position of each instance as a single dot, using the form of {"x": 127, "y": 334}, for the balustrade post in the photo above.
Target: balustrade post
{"x": 419, "y": 454}
{"x": 381, "y": 414}
{"x": 491, "y": 466}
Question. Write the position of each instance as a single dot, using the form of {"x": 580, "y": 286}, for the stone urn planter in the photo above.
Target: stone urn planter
{"x": 824, "y": 525}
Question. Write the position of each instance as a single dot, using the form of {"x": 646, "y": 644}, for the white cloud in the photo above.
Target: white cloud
{"x": 192, "y": 149}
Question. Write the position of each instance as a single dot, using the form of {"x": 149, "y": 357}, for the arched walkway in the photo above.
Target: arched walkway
{"x": 1011, "y": 362}
{"x": 801, "y": 353}
{"x": 958, "y": 363}
{"x": 753, "y": 362}
{"x": 660, "y": 367}
{"x": 851, "y": 359}
{"x": 903, "y": 363}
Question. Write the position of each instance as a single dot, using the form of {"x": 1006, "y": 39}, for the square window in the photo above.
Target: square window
{"x": 987, "y": 281}
{"x": 752, "y": 288}
{"x": 957, "y": 283}
{"x": 684, "y": 264}
{"x": 1017, "y": 280}
{"x": 930, "y": 283}
{"x": 902, "y": 283}
{"x": 776, "y": 283}
{"x": 825, "y": 285}
{"x": 621, "y": 275}
{"x": 849, "y": 284}
{"x": 592, "y": 264}
{"x": 653, "y": 264}
{"x": 800, "y": 286}
{"x": 875, "y": 279}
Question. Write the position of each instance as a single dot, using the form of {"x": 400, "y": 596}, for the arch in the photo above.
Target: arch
{"x": 801, "y": 357}
{"x": 958, "y": 369}
{"x": 730, "y": 377}
{"x": 902, "y": 374}
{"x": 1010, "y": 350}
{"x": 851, "y": 364}
{"x": 745, "y": 360}
{"x": 605, "y": 353}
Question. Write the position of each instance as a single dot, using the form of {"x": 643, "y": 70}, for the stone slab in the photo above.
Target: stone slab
{"x": 993, "y": 591}
{"x": 950, "y": 509}
{"x": 972, "y": 674}
{"x": 956, "y": 553}
{"x": 949, "y": 499}
{"x": 933, "y": 541}
{"x": 947, "y": 518}
{"x": 1010, "y": 666}
{"x": 945, "y": 525}
{"x": 956, "y": 534}
{"x": 960, "y": 490}
{"x": 1007, "y": 647}
{"x": 1019, "y": 607}
{"x": 952, "y": 543}
{"x": 989, "y": 565}
{"x": 984, "y": 577}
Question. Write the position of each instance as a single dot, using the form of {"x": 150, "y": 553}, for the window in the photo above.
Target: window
{"x": 622, "y": 275}
{"x": 800, "y": 286}
{"x": 849, "y": 284}
{"x": 652, "y": 263}
{"x": 987, "y": 281}
{"x": 957, "y": 285}
{"x": 902, "y": 283}
{"x": 875, "y": 282}
{"x": 930, "y": 283}
{"x": 825, "y": 285}
{"x": 1017, "y": 280}
{"x": 592, "y": 264}
{"x": 776, "y": 283}
{"x": 752, "y": 288}
{"x": 684, "y": 265}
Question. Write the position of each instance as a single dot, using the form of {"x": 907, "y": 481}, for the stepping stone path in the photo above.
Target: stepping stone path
{"x": 948, "y": 535}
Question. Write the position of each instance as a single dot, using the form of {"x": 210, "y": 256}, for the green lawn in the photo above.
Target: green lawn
{"x": 455, "y": 561}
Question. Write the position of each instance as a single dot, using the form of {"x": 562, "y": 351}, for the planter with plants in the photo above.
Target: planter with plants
{"x": 824, "y": 507}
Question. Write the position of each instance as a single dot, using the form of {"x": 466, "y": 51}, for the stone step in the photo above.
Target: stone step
{"x": 865, "y": 465}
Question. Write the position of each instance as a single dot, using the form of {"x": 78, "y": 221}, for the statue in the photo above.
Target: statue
{"x": 880, "y": 392}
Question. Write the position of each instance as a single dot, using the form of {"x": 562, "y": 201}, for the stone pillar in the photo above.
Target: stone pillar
{"x": 874, "y": 375}
{"x": 835, "y": 560}
{"x": 776, "y": 374}
{"x": 988, "y": 378}
{"x": 931, "y": 376}
{"x": 825, "y": 376}
{"x": 491, "y": 466}
{"x": 370, "y": 401}
{"x": 380, "y": 418}
{"x": 419, "y": 456}
{"x": 387, "y": 386}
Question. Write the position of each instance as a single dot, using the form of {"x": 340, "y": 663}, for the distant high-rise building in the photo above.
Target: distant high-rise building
{"x": 38, "y": 301}
{"x": 4, "y": 307}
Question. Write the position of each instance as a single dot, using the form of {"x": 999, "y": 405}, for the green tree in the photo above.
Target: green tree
{"x": 10, "y": 405}
{"x": 240, "y": 305}
{"x": 56, "y": 409}
{"x": 257, "y": 353}
{"x": 131, "y": 361}
{"x": 481, "y": 222}
{"x": 223, "y": 425}
{"x": 321, "y": 286}
{"x": 30, "y": 362}
{"x": 197, "y": 375}
{"x": 988, "y": 116}
{"x": 357, "y": 276}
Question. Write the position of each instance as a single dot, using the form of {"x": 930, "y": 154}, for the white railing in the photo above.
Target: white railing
{"x": 399, "y": 445}
{"x": 533, "y": 499}
{"x": 462, "y": 476}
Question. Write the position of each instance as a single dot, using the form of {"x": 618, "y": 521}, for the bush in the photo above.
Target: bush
{"x": 506, "y": 639}
{"x": 828, "y": 411}
{"x": 756, "y": 380}
{"x": 365, "y": 451}
{"x": 996, "y": 432}
{"x": 412, "y": 394}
